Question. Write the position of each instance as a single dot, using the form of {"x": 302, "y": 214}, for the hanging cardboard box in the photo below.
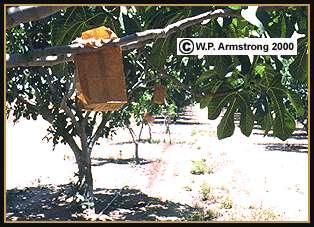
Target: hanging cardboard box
{"x": 159, "y": 94}
{"x": 100, "y": 79}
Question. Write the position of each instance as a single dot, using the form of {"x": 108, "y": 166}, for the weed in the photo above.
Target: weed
{"x": 256, "y": 214}
{"x": 205, "y": 191}
{"x": 194, "y": 132}
{"x": 180, "y": 142}
{"x": 227, "y": 203}
{"x": 203, "y": 215}
{"x": 210, "y": 170}
{"x": 199, "y": 167}
{"x": 264, "y": 215}
{"x": 155, "y": 141}
{"x": 187, "y": 188}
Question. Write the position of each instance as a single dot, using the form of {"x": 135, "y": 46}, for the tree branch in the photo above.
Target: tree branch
{"x": 67, "y": 109}
{"x": 47, "y": 115}
{"x": 97, "y": 134}
{"x": 126, "y": 43}
{"x": 84, "y": 137}
{"x": 72, "y": 143}
{"x": 22, "y": 14}
{"x": 16, "y": 60}
{"x": 132, "y": 133}
{"x": 38, "y": 57}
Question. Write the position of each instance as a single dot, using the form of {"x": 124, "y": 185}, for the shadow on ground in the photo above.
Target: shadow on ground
{"x": 298, "y": 135}
{"x": 298, "y": 148}
{"x": 103, "y": 161}
{"x": 48, "y": 203}
{"x": 179, "y": 122}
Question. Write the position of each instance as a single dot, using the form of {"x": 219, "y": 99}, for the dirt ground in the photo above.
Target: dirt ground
{"x": 252, "y": 178}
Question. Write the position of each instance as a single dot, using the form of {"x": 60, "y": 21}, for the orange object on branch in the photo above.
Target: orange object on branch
{"x": 149, "y": 117}
{"x": 159, "y": 94}
{"x": 100, "y": 75}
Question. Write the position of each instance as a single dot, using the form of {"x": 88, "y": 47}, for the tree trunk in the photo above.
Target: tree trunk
{"x": 137, "y": 159}
{"x": 135, "y": 141}
{"x": 85, "y": 182}
{"x": 150, "y": 133}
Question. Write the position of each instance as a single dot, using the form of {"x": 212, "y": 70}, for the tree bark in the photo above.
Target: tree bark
{"x": 135, "y": 141}
{"x": 85, "y": 182}
{"x": 150, "y": 133}
{"x": 22, "y": 14}
{"x": 48, "y": 56}
{"x": 137, "y": 159}
{"x": 59, "y": 54}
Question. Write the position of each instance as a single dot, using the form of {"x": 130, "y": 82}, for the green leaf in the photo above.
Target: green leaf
{"x": 247, "y": 118}
{"x": 204, "y": 101}
{"x": 278, "y": 63}
{"x": 214, "y": 109}
{"x": 214, "y": 86}
{"x": 283, "y": 28}
{"x": 266, "y": 123}
{"x": 290, "y": 26}
{"x": 205, "y": 75}
{"x": 263, "y": 16}
{"x": 260, "y": 70}
{"x": 226, "y": 126}
{"x": 235, "y": 7}
{"x": 215, "y": 106}
{"x": 73, "y": 24}
{"x": 298, "y": 68}
{"x": 159, "y": 53}
{"x": 148, "y": 8}
{"x": 227, "y": 21}
{"x": 130, "y": 24}
{"x": 245, "y": 64}
{"x": 283, "y": 124}
{"x": 268, "y": 75}
{"x": 296, "y": 102}
{"x": 302, "y": 20}
{"x": 222, "y": 64}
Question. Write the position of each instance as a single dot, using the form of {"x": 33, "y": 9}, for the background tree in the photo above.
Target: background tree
{"x": 40, "y": 75}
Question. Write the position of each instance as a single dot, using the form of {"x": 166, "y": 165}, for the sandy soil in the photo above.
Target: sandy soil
{"x": 256, "y": 178}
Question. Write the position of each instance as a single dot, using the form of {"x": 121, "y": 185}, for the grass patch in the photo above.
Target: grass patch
{"x": 226, "y": 203}
{"x": 264, "y": 215}
{"x": 203, "y": 215}
{"x": 256, "y": 214}
{"x": 199, "y": 167}
{"x": 155, "y": 141}
{"x": 205, "y": 191}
